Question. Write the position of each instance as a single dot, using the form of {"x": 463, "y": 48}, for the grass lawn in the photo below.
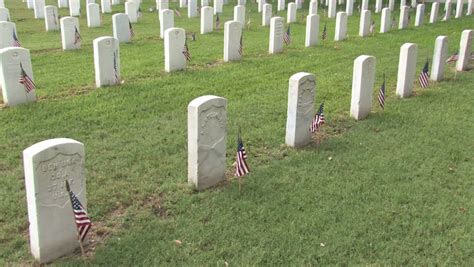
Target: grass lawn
{"x": 396, "y": 188}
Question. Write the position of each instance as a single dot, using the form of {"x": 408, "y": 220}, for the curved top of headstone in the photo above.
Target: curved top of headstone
{"x": 300, "y": 75}
{"x": 175, "y": 29}
{"x": 408, "y": 45}
{"x": 119, "y": 15}
{"x": 45, "y": 145}
{"x": 364, "y": 58}
{"x": 6, "y": 50}
{"x": 277, "y": 18}
{"x": 233, "y": 23}
{"x": 207, "y": 100}
{"x": 104, "y": 39}
{"x": 69, "y": 18}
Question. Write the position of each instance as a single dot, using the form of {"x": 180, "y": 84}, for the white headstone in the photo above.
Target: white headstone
{"x": 365, "y": 5}
{"x": 414, "y": 3}
{"x": 378, "y": 6}
{"x": 192, "y": 8}
{"x": 48, "y": 164}
{"x": 162, "y": 4}
{"x": 7, "y": 31}
{"x": 313, "y": 8}
{"x": 364, "y": 26}
{"x": 166, "y": 22}
{"x": 70, "y": 33}
{"x": 63, "y": 4}
{"x": 439, "y": 58}
{"x": 74, "y": 8}
{"x": 391, "y": 5}
{"x": 459, "y": 6}
{"x": 299, "y": 4}
{"x": 447, "y": 7}
{"x": 349, "y": 7}
{"x": 470, "y": 7}
{"x": 207, "y": 130}
{"x": 4, "y": 14}
{"x": 183, "y": 3}
{"x": 406, "y": 69}
{"x": 301, "y": 93}
{"x": 434, "y": 12}
{"x": 291, "y": 14}
{"x": 260, "y": 4}
{"x": 115, "y": 2}
{"x": 386, "y": 21}
{"x": 207, "y": 19}
{"x": 38, "y": 6}
{"x": 266, "y": 15}
{"x": 403, "y": 21}
{"x": 464, "y": 54}
{"x": 332, "y": 9}
{"x": 420, "y": 15}
{"x": 131, "y": 9}
{"x": 218, "y": 4}
{"x": 239, "y": 14}
{"x": 51, "y": 20}
{"x": 312, "y": 30}
{"x": 281, "y": 5}
{"x": 232, "y": 35}
{"x": 175, "y": 39}
{"x": 12, "y": 59}
{"x": 362, "y": 86}
{"x": 276, "y": 35}
{"x": 341, "y": 26}
{"x": 30, "y": 4}
{"x": 121, "y": 27}
{"x": 93, "y": 15}
{"x": 403, "y": 3}
{"x": 106, "y": 6}
{"x": 106, "y": 61}
{"x": 241, "y": 2}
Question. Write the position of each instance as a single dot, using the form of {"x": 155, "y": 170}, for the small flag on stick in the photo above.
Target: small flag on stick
{"x": 186, "y": 53}
{"x": 26, "y": 80}
{"x": 423, "y": 79}
{"x": 116, "y": 72}
{"x": 83, "y": 222}
{"x": 287, "y": 36}
{"x": 325, "y": 32}
{"x": 453, "y": 58}
{"x": 372, "y": 27}
{"x": 241, "y": 45}
{"x": 318, "y": 119}
{"x": 130, "y": 29}
{"x": 241, "y": 168}
{"x": 77, "y": 36}
{"x": 218, "y": 21}
{"x": 381, "y": 96}
{"x": 177, "y": 13}
{"x": 16, "y": 42}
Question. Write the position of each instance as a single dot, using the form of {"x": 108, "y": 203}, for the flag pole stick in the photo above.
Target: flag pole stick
{"x": 77, "y": 231}
{"x": 240, "y": 178}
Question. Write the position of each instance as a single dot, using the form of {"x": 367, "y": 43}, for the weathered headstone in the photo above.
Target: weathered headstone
{"x": 121, "y": 27}
{"x": 48, "y": 164}
{"x": 204, "y": 3}
{"x": 291, "y": 14}
{"x": 281, "y": 5}
{"x": 106, "y": 61}
{"x": 162, "y": 4}
{"x": 183, "y": 3}
{"x": 266, "y": 14}
{"x": 93, "y": 15}
{"x": 207, "y": 130}
{"x": 470, "y": 7}
{"x": 38, "y": 6}
{"x": 414, "y": 3}
{"x": 299, "y": 4}
{"x": 4, "y": 14}
{"x": 70, "y": 33}
{"x": 332, "y": 9}
{"x": 74, "y": 8}
{"x": 106, "y": 6}
{"x": 391, "y": 5}
{"x": 378, "y": 6}
{"x": 12, "y": 61}
{"x": 207, "y": 19}
{"x": 403, "y": 21}
{"x": 218, "y": 5}
{"x": 439, "y": 58}
{"x": 51, "y": 20}
{"x": 7, "y": 33}
{"x": 232, "y": 38}
{"x": 349, "y": 7}
{"x": 363, "y": 79}
{"x": 131, "y": 9}
{"x": 420, "y": 15}
{"x": 447, "y": 10}
{"x": 175, "y": 39}
{"x": 239, "y": 14}
{"x": 434, "y": 12}
{"x": 403, "y": 3}
{"x": 313, "y": 8}
{"x": 276, "y": 35}
{"x": 192, "y": 8}
{"x": 365, "y": 5}
{"x": 464, "y": 54}
{"x": 301, "y": 93}
{"x": 341, "y": 26}
{"x": 312, "y": 30}
{"x": 63, "y": 4}
{"x": 386, "y": 21}
{"x": 459, "y": 6}
{"x": 260, "y": 4}
{"x": 406, "y": 69}
{"x": 364, "y": 26}
{"x": 166, "y": 22}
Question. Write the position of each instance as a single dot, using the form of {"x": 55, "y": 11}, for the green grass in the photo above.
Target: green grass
{"x": 398, "y": 189}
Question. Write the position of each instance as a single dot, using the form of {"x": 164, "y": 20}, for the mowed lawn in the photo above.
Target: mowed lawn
{"x": 396, "y": 188}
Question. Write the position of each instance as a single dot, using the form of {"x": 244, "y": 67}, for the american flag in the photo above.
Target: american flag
{"x": 381, "y": 96}
{"x": 177, "y": 13}
{"x": 26, "y": 80}
{"x": 318, "y": 119}
{"x": 218, "y": 21}
{"x": 16, "y": 43}
{"x": 186, "y": 53}
{"x": 54, "y": 18}
{"x": 325, "y": 32}
{"x": 83, "y": 223}
{"x": 287, "y": 36}
{"x": 241, "y": 45}
{"x": 77, "y": 37}
{"x": 139, "y": 12}
{"x": 424, "y": 77}
{"x": 193, "y": 36}
{"x": 241, "y": 168}
{"x": 453, "y": 58}
{"x": 116, "y": 74}
{"x": 130, "y": 29}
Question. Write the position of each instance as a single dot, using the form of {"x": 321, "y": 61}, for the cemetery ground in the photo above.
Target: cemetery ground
{"x": 394, "y": 188}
